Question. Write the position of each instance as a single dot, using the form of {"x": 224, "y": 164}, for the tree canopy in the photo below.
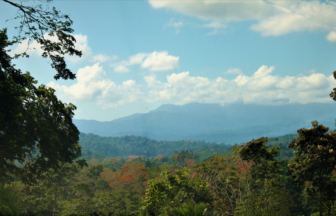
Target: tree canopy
{"x": 36, "y": 128}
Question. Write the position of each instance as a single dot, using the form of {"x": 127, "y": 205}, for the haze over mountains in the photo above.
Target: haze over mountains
{"x": 235, "y": 123}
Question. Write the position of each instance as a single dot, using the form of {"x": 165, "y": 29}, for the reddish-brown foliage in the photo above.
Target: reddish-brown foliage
{"x": 190, "y": 162}
{"x": 159, "y": 156}
{"x": 131, "y": 172}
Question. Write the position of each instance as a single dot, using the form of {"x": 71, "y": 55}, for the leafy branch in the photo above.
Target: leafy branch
{"x": 37, "y": 22}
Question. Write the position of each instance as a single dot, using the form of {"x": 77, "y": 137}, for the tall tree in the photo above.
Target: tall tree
{"x": 315, "y": 159}
{"x": 267, "y": 194}
{"x": 35, "y": 127}
{"x": 50, "y": 191}
{"x": 172, "y": 190}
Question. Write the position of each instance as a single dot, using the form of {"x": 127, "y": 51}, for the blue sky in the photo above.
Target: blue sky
{"x": 138, "y": 55}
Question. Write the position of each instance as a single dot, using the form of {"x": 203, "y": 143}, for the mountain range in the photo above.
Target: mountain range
{"x": 230, "y": 124}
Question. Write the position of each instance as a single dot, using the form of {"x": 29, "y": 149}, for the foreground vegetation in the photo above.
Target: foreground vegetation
{"x": 251, "y": 179}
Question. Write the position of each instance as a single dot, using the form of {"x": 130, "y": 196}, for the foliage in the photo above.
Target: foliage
{"x": 36, "y": 128}
{"x": 225, "y": 176}
{"x": 265, "y": 194}
{"x": 45, "y": 196}
{"x": 42, "y": 24}
{"x": 173, "y": 189}
{"x": 315, "y": 161}
{"x": 190, "y": 209}
{"x": 333, "y": 93}
{"x": 9, "y": 200}
{"x": 117, "y": 203}
{"x": 185, "y": 158}
{"x": 141, "y": 146}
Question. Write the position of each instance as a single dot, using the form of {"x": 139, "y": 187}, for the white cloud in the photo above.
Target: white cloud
{"x": 181, "y": 88}
{"x": 261, "y": 88}
{"x": 137, "y": 58}
{"x": 217, "y": 10}
{"x": 93, "y": 85}
{"x": 273, "y": 18}
{"x": 103, "y": 58}
{"x": 175, "y": 24}
{"x": 155, "y": 61}
{"x": 216, "y": 26}
{"x": 331, "y": 36}
{"x": 81, "y": 45}
{"x": 121, "y": 69}
{"x": 160, "y": 61}
{"x": 233, "y": 71}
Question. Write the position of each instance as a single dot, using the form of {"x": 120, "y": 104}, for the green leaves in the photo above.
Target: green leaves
{"x": 117, "y": 203}
{"x": 35, "y": 23}
{"x": 314, "y": 161}
{"x": 174, "y": 189}
{"x": 37, "y": 128}
{"x": 263, "y": 157}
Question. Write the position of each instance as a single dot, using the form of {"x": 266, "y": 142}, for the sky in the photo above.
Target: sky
{"x": 138, "y": 55}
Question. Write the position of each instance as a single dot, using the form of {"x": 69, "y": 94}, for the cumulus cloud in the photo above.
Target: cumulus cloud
{"x": 155, "y": 61}
{"x": 273, "y": 18}
{"x": 160, "y": 61}
{"x": 93, "y": 85}
{"x": 262, "y": 88}
{"x": 181, "y": 88}
{"x": 81, "y": 44}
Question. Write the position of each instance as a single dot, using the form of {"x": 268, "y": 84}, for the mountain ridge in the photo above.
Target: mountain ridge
{"x": 234, "y": 123}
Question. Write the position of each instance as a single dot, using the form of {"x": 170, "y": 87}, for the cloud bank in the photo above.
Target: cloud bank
{"x": 182, "y": 88}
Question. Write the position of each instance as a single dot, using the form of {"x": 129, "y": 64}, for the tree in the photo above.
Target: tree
{"x": 227, "y": 178}
{"x": 119, "y": 202}
{"x": 182, "y": 157}
{"x": 169, "y": 192}
{"x": 315, "y": 159}
{"x": 39, "y": 23}
{"x": 333, "y": 93}
{"x": 95, "y": 170}
{"x": 36, "y": 128}
{"x": 267, "y": 194}
{"x": 49, "y": 191}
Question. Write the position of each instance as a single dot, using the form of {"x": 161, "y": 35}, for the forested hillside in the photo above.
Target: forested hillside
{"x": 142, "y": 146}
{"x": 125, "y": 146}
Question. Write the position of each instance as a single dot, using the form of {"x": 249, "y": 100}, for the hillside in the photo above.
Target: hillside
{"x": 142, "y": 146}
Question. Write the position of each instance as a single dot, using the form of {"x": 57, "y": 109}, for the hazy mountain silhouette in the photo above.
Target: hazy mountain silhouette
{"x": 233, "y": 123}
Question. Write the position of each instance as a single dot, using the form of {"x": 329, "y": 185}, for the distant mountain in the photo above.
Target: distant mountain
{"x": 233, "y": 123}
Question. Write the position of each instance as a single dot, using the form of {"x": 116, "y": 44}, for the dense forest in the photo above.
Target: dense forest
{"x": 201, "y": 179}
{"x": 94, "y": 146}
{"x": 47, "y": 167}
